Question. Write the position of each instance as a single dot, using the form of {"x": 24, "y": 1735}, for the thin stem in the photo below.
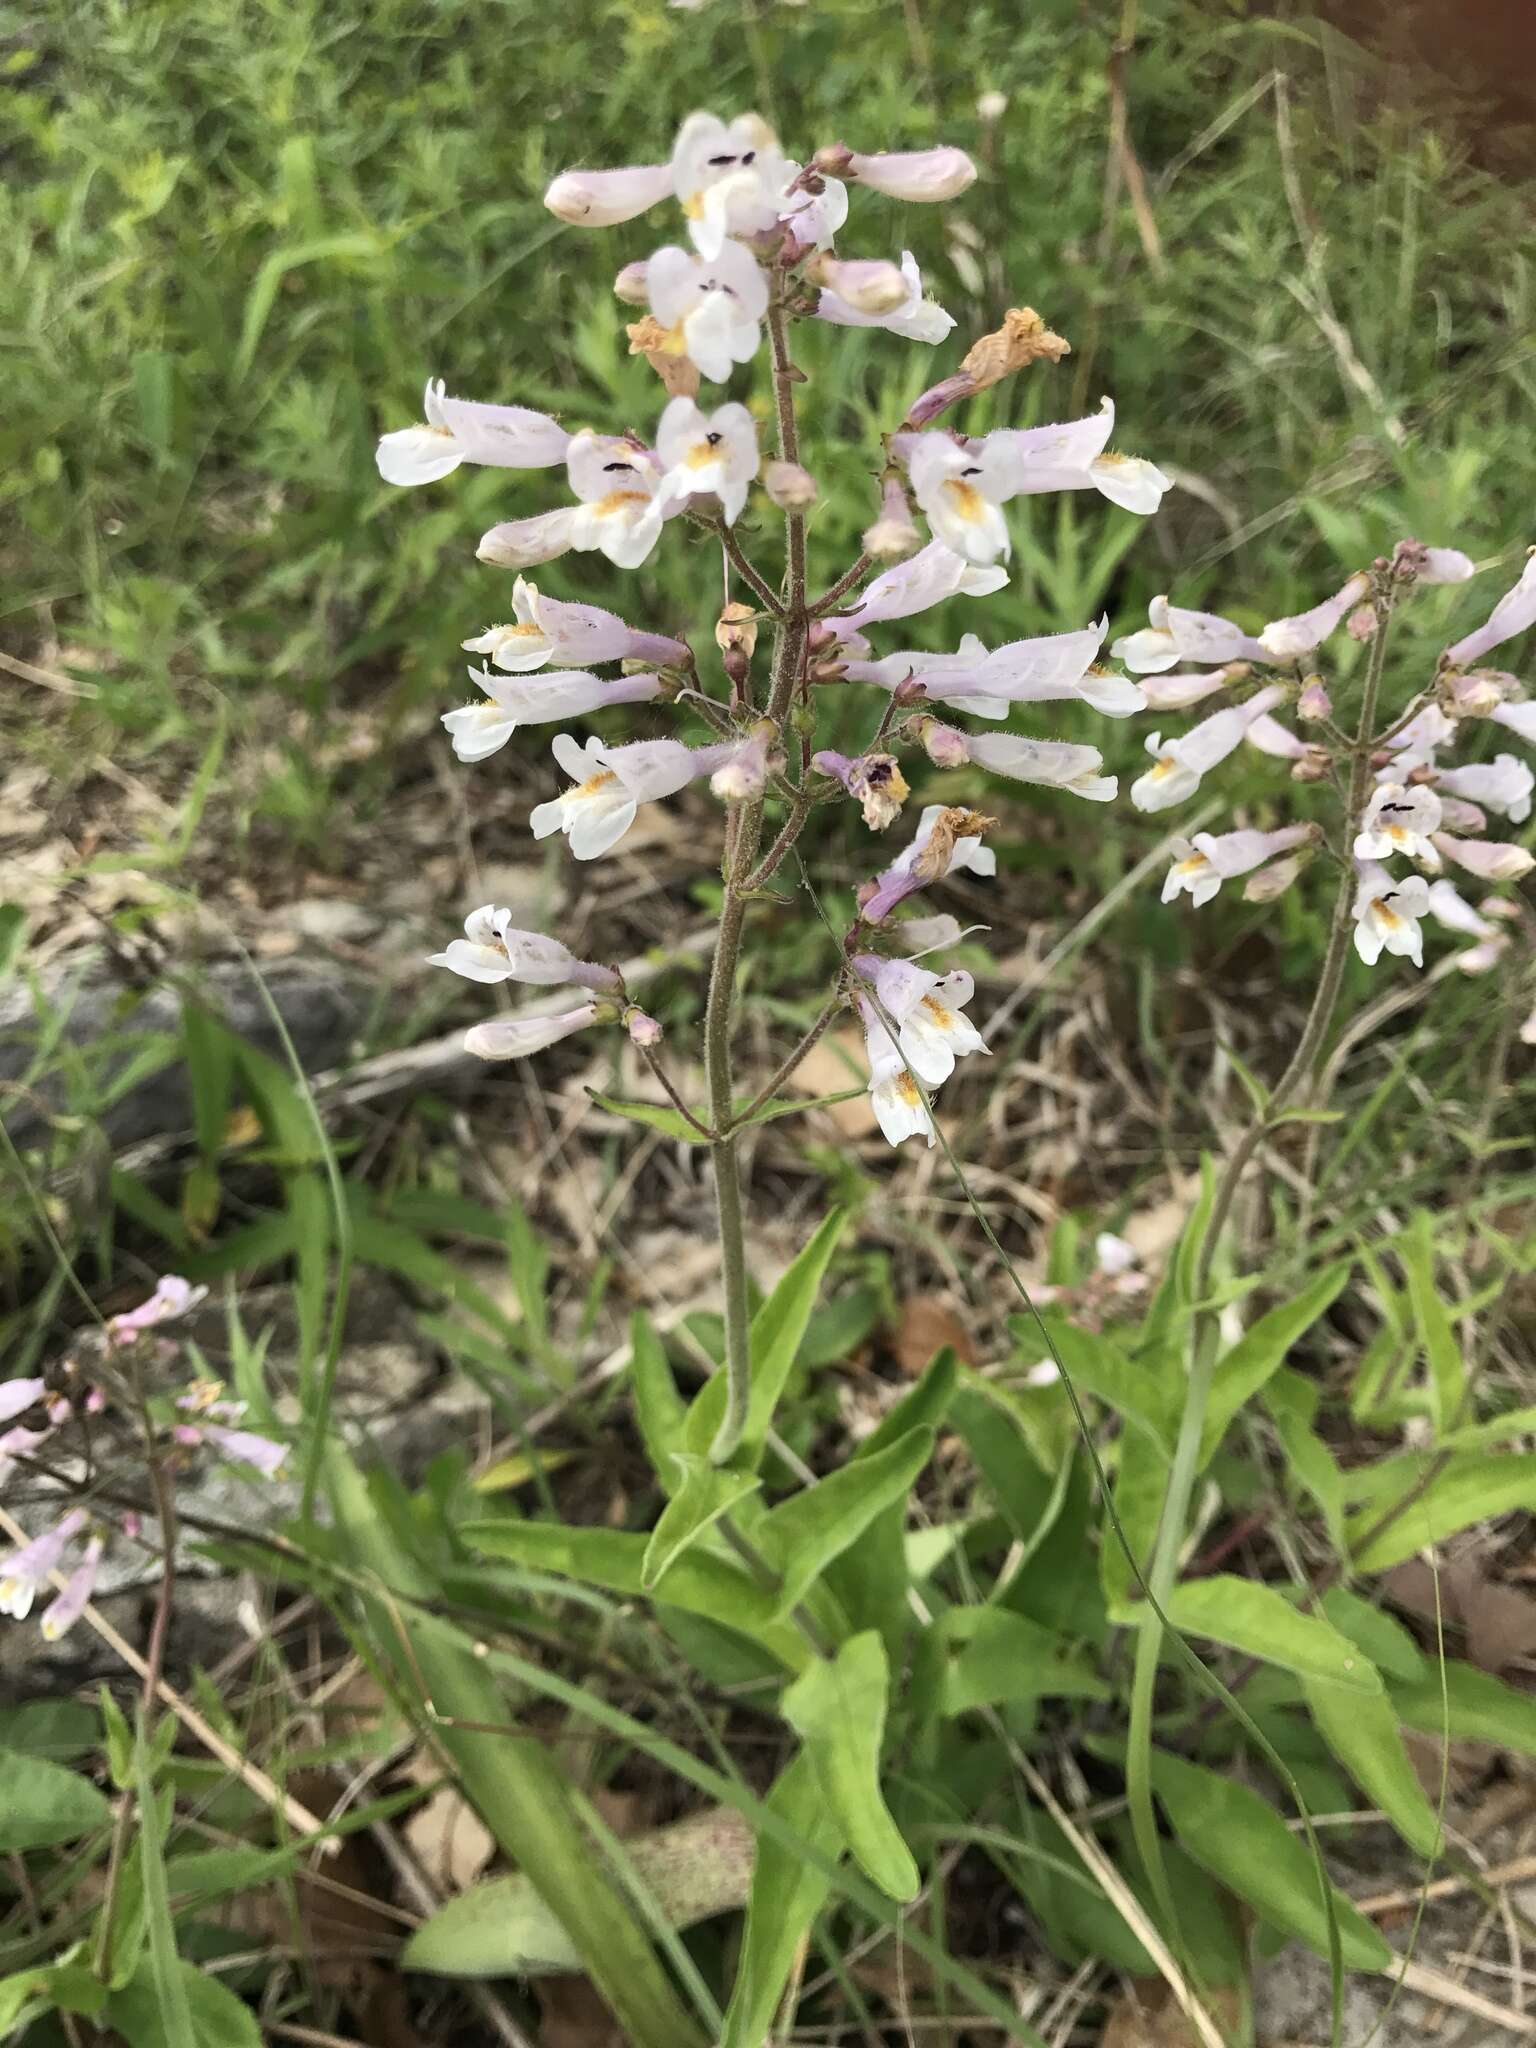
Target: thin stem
{"x": 759, "y": 585}
{"x": 788, "y": 1066}
{"x": 792, "y": 828}
{"x": 676, "y": 1100}
{"x": 1204, "y": 1333}
{"x": 840, "y": 589}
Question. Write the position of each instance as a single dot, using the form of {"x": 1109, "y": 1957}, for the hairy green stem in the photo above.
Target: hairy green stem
{"x": 1204, "y": 1334}
{"x": 719, "y": 1013}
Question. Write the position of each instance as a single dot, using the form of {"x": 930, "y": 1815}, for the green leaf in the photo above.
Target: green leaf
{"x": 660, "y": 1409}
{"x": 1474, "y": 1708}
{"x": 13, "y": 931}
{"x": 1261, "y": 1350}
{"x": 1095, "y": 1365}
{"x": 1363, "y": 1735}
{"x": 1384, "y": 1640}
{"x": 1292, "y": 1402}
{"x": 777, "y": 1329}
{"x": 42, "y": 1804}
{"x": 995, "y": 1655}
{"x": 58, "y": 1729}
{"x": 837, "y": 1707}
{"x": 655, "y": 1114}
{"x": 161, "y": 1973}
{"x": 500, "y": 1927}
{"x": 118, "y": 1739}
{"x": 1447, "y": 1374}
{"x": 1191, "y": 1245}
{"x": 1141, "y": 1482}
{"x": 788, "y": 1891}
{"x": 707, "y": 1493}
{"x": 1239, "y": 1838}
{"x": 802, "y": 1535}
{"x": 211, "y": 2013}
{"x": 1261, "y": 1622}
{"x": 1471, "y": 1486}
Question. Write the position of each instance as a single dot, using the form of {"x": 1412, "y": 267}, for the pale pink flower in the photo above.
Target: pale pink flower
{"x": 1314, "y": 702}
{"x": 902, "y": 878}
{"x": 550, "y": 629}
{"x": 1268, "y": 883}
{"x": 29, "y": 1566}
{"x": 920, "y": 176}
{"x": 1449, "y": 907}
{"x": 1400, "y": 820}
{"x": 1055, "y": 763}
{"x": 19, "y": 1442}
{"x": 932, "y": 1031}
{"x": 67, "y": 1609}
{"x": 1173, "y": 635}
{"x": 1478, "y": 695}
{"x": 493, "y": 951}
{"x": 961, "y": 489}
{"x": 707, "y": 455}
{"x": 244, "y": 1447}
{"x": 790, "y": 486}
{"x": 619, "y": 485}
{"x": 459, "y": 430}
{"x": 1519, "y": 719}
{"x": 1445, "y": 565}
{"x": 875, "y": 781}
{"x": 893, "y": 536}
{"x": 742, "y": 766}
{"x": 1515, "y": 610}
{"x": 1179, "y": 764}
{"x": 1503, "y": 785}
{"x": 172, "y": 1297}
{"x": 1288, "y": 639}
{"x": 643, "y": 1030}
{"x": 900, "y": 1109}
{"x": 611, "y": 783}
{"x": 1457, "y": 815}
{"x": 1417, "y": 743}
{"x": 912, "y": 315}
{"x": 481, "y": 729}
{"x": 712, "y": 309}
{"x": 1202, "y": 864}
{"x": 1494, "y": 860}
{"x": 605, "y": 199}
{"x": 1073, "y": 455}
{"x": 17, "y": 1396}
{"x": 514, "y": 1038}
{"x": 525, "y": 543}
{"x": 932, "y": 575}
{"x": 1052, "y": 667}
{"x": 730, "y": 177}
{"x": 1178, "y": 692}
{"x": 1387, "y": 914}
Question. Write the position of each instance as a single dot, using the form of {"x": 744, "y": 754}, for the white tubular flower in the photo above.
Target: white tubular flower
{"x": 927, "y": 578}
{"x": 1417, "y": 743}
{"x": 1387, "y": 915}
{"x": 459, "y": 430}
{"x": 605, "y": 199}
{"x": 28, "y": 1567}
{"x": 1288, "y": 639}
{"x": 1173, "y": 635}
{"x": 1211, "y": 858}
{"x": 1515, "y": 610}
{"x": 1054, "y": 763}
{"x": 1179, "y": 764}
{"x": 900, "y": 1109}
{"x": 611, "y": 784}
{"x": 1502, "y": 785}
{"x": 173, "y": 1298}
{"x": 18, "y": 1442}
{"x": 813, "y": 218}
{"x": 619, "y": 485}
{"x": 1178, "y": 692}
{"x": 71, "y": 1603}
{"x": 1519, "y": 718}
{"x": 1457, "y": 815}
{"x": 492, "y": 950}
{"x": 920, "y": 176}
{"x": 932, "y": 1031}
{"x": 867, "y": 284}
{"x": 1073, "y": 456}
{"x": 1492, "y": 860}
{"x": 712, "y": 310}
{"x": 1446, "y": 565}
{"x": 741, "y": 767}
{"x": 524, "y": 543}
{"x": 729, "y": 177}
{"x": 482, "y": 729}
{"x": 548, "y": 629}
{"x": 1052, "y": 667}
{"x": 707, "y": 455}
{"x": 1449, "y": 907}
{"x": 790, "y": 486}
{"x": 513, "y": 1038}
{"x": 1399, "y": 819}
{"x": 960, "y": 490}
{"x": 912, "y": 316}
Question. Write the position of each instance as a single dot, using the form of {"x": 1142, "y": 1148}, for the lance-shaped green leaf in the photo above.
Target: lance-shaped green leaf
{"x": 787, "y": 1893}
{"x": 42, "y": 1804}
{"x": 660, "y": 1409}
{"x": 837, "y": 1707}
{"x": 502, "y": 1928}
{"x": 995, "y": 1655}
{"x": 1261, "y": 1622}
{"x": 1474, "y": 1707}
{"x": 1238, "y": 1837}
{"x": 1363, "y": 1735}
{"x": 511, "y": 1778}
{"x": 1133, "y": 1388}
{"x": 707, "y": 1493}
{"x": 1261, "y": 1351}
{"x": 802, "y": 1535}
{"x": 1383, "y": 1638}
{"x": 1469, "y": 1487}
{"x": 700, "y": 1582}
{"x": 1292, "y": 1403}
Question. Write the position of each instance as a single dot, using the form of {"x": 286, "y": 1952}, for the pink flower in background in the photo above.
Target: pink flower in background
{"x": 513, "y": 1038}
{"x": 911, "y": 315}
{"x": 930, "y": 576}
{"x": 1502, "y": 785}
{"x": 1203, "y": 863}
{"x": 172, "y": 1297}
{"x": 919, "y": 176}
{"x": 1288, "y": 639}
{"x": 71, "y": 1603}
{"x": 17, "y": 1396}
{"x": 1494, "y": 860}
{"x": 28, "y": 1567}
{"x": 1515, "y": 610}
{"x": 1173, "y": 635}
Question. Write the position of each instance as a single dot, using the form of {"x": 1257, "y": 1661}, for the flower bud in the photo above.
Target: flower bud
{"x": 1268, "y": 883}
{"x": 1312, "y": 766}
{"x": 868, "y": 285}
{"x": 791, "y": 488}
{"x": 944, "y": 745}
{"x": 991, "y": 106}
{"x": 1461, "y": 816}
{"x": 630, "y": 285}
{"x": 920, "y": 176}
{"x": 1361, "y": 623}
{"x": 643, "y": 1030}
{"x": 894, "y": 535}
{"x": 1314, "y": 701}
{"x": 747, "y": 764}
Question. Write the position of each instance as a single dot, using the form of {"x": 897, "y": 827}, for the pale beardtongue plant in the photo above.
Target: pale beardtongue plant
{"x": 762, "y": 257}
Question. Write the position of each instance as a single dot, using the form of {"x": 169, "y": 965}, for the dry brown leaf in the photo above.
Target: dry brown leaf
{"x": 450, "y": 1840}
{"x": 830, "y": 1067}
{"x": 925, "y": 1324}
{"x": 1499, "y": 1618}
{"x": 1147, "y": 2015}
